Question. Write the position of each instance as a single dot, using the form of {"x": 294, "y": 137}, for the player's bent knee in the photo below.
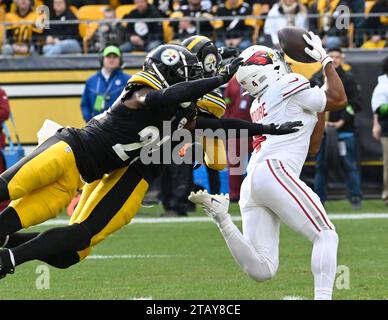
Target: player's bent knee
{"x": 63, "y": 260}
{"x": 70, "y": 238}
{"x": 263, "y": 272}
{"x": 81, "y": 237}
{"x": 328, "y": 236}
{"x": 217, "y": 166}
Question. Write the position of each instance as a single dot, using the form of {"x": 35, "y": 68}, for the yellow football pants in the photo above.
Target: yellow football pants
{"x": 43, "y": 183}
{"x": 215, "y": 154}
{"x": 110, "y": 203}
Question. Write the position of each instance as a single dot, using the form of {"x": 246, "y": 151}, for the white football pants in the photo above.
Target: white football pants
{"x": 269, "y": 194}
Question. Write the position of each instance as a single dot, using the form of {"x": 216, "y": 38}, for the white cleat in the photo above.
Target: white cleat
{"x": 215, "y": 206}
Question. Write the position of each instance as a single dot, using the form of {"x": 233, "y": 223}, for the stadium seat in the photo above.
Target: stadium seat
{"x": 74, "y": 9}
{"x": 2, "y": 19}
{"x": 368, "y": 6}
{"x": 257, "y": 10}
{"x": 168, "y": 32}
{"x": 87, "y": 29}
{"x": 124, "y": 9}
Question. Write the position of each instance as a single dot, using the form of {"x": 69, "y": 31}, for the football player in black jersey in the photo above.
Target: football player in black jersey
{"x": 52, "y": 171}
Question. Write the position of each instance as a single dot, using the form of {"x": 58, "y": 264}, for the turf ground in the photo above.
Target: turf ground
{"x": 189, "y": 260}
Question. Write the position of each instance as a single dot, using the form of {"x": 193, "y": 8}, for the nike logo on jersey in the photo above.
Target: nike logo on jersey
{"x": 295, "y": 80}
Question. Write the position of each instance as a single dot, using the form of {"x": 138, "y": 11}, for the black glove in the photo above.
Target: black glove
{"x": 227, "y": 52}
{"x": 227, "y": 72}
{"x": 284, "y": 128}
{"x": 187, "y": 112}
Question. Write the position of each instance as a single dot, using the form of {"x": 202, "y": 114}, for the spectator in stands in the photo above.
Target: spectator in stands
{"x": 340, "y": 135}
{"x": 21, "y": 39}
{"x": 3, "y": 12}
{"x": 325, "y": 25}
{"x": 376, "y": 27}
{"x": 80, "y": 3}
{"x": 208, "y": 5}
{"x": 6, "y": 5}
{"x": 4, "y": 114}
{"x": 61, "y": 38}
{"x": 380, "y": 121}
{"x": 282, "y": 14}
{"x": 186, "y": 27}
{"x": 376, "y": 23}
{"x": 234, "y": 33}
{"x": 104, "y": 87}
{"x": 165, "y": 7}
{"x": 237, "y": 108}
{"x": 142, "y": 35}
{"x": 110, "y": 32}
{"x": 376, "y": 42}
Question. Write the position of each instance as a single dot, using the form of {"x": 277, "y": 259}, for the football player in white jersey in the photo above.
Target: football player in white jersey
{"x": 272, "y": 191}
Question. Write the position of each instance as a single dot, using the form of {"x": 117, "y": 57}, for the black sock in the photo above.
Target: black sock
{"x": 52, "y": 242}
{"x": 9, "y": 222}
{"x": 62, "y": 260}
{"x": 19, "y": 238}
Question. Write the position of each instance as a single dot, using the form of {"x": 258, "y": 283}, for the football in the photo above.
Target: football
{"x": 292, "y": 42}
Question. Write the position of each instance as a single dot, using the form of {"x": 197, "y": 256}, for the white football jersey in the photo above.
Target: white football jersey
{"x": 289, "y": 99}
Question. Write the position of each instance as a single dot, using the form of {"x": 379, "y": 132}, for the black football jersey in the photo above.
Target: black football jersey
{"x": 115, "y": 138}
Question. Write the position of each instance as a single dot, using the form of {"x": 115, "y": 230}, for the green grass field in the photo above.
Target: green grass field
{"x": 191, "y": 261}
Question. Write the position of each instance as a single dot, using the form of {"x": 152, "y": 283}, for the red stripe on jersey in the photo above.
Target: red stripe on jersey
{"x": 295, "y": 88}
{"x": 304, "y": 191}
{"x": 292, "y": 195}
{"x": 256, "y": 143}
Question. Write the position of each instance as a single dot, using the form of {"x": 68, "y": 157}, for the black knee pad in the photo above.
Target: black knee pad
{"x": 63, "y": 260}
{"x": 70, "y": 238}
{"x": 78, "y": 236}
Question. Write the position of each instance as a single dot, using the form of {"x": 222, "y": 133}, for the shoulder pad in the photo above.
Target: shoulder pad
{"x": 212, "y": 103}
{"x": 290, "y": 84}
{"x": 145, "y": 78}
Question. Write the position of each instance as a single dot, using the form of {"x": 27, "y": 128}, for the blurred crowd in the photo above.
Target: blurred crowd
{"x": 127, "y": 23}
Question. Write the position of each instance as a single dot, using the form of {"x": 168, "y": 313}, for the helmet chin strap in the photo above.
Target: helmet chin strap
{"x": 165, "y": 83}
{"x": 185, "y": 65}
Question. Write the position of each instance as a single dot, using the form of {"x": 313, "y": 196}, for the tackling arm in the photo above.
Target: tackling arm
{"x": 254, "y": 129}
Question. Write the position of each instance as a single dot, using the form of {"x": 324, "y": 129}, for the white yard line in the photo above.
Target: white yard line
{"x": 339, "y": 216}
{"x": 294, "y": 298}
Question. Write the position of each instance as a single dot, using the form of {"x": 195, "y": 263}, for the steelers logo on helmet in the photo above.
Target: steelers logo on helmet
{"x": 170, "y": 57}
{"x": 210, "y": 62}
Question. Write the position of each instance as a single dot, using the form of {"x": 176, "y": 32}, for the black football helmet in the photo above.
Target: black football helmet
{"x": 206, "y": 52}
{"x": 172, "y": 63}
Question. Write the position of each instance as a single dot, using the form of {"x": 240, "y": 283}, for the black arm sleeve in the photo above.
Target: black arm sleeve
{"x": 181, "y": 92}
{"x": 254, "y": 129}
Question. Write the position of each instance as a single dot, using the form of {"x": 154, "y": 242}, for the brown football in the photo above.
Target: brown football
{"x": 293, "y": 44}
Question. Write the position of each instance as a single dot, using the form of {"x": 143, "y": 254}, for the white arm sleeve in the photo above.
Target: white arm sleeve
{"x": 313, "y": 99}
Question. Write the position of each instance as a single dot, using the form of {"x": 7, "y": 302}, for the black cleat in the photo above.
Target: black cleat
{"x": 6, "y": 266}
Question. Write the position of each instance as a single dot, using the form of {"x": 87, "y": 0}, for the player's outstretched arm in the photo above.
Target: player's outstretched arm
{"x": 190, "y": 90}
{"x": 254, "y": 129}
{"x": 335, "y": 93}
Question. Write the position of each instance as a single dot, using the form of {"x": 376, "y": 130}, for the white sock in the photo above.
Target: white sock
{"x": 254, "y": 264}
{"x": 324, "y": 264}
